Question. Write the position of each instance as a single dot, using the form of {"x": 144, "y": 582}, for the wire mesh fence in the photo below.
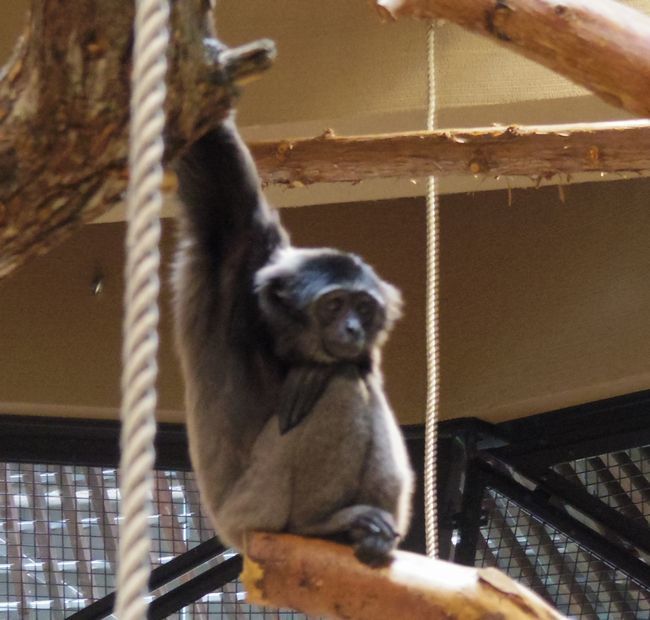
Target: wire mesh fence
{"x": 59, "y": 527}
{"x": 58, "y": 541}
{"x": 620, "y": 479}
{"x": 580, "y": 584}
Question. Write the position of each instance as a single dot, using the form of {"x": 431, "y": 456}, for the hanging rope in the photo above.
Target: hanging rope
{"x": 140, "y": 348}
{"x": 433, "y": 345}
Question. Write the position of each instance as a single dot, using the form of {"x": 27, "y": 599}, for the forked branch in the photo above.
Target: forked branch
{"x": 64, "y": 107}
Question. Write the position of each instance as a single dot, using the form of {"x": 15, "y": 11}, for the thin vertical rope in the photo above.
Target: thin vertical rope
{"x": 432, "y": 327}
{"x": 140, "y": 348}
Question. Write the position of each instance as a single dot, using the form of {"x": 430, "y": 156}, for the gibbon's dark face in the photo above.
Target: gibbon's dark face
{"x": 325, "y": 306}
{"x": 348, "y": 321}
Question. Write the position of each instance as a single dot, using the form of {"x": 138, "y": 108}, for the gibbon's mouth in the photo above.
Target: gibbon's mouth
{"x": 348, "y": 351}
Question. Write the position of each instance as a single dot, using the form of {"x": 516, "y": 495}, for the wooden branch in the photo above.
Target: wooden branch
{"x": 64, "y": 111}
{"x": 603, "y": 46}
{"x": 321, "y": 578}
{"x": 537, "y": 152}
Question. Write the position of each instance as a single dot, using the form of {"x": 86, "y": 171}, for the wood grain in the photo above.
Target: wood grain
{"x": 604, "y": 45}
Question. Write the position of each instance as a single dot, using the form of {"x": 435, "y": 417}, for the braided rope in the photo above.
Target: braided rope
{"x": 432, "y": 327}
{"x": 140, "y": 346}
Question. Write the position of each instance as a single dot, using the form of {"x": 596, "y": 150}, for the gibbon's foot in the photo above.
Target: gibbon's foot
{"x": 374, "y": 538}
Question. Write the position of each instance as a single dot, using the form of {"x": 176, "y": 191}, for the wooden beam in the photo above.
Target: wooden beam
{"x": 536, "y": 152}
{"x": 64, "y": 107}
{"x": 321, "y": 578}
{"x": 603, "y": 46}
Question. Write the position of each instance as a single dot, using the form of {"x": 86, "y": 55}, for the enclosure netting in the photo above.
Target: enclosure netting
{"x": 58, "y": 541}
{"x": 577, "y": 582}
{"x": 58, "y": 533}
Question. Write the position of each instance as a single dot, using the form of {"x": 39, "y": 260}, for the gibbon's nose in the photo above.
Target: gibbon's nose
{"x": 353, "y": 329}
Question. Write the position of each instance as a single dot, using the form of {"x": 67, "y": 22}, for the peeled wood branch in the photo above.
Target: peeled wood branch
{"x": 535, "y": 152}
{"x": 321, "y": 578}
{"x": 64, "y": 106}
{"x": 603, "y": 46}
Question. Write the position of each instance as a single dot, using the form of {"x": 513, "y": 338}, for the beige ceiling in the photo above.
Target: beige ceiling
{"x": 337, "y": 60}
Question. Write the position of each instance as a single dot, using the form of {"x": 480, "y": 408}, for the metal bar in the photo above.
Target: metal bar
{"x": 590, "y": 540}
{"x": 14, "y": 542}
{"x": 171, "y": 525}
{"x": 594, "y": 511}
{"x": 569, "y": 494}
{"x": 106, "y": 527}
{"x": 451, "y": 474}
{"x": 415, "y": 538}
{"x": 209, "y": 581}
{"x": 576, "y": 496}
{"x": 81, "y": 551}
{"x": 484, "y": 552}
{"x": 470, "y": 516}
{"x": 231, "y": 606}
{"x": 546, "y": 439}
{"x": 193, "y": 498}
{"x": 615, "y": 491}
{"x": 51, "y": 574}
{"x": 159, "y": 577}
{"x": 183, "y": 563}
{"x": 533, "y": 454}
{"x": 94, "y": 443}
{"x": 637, "y": 479}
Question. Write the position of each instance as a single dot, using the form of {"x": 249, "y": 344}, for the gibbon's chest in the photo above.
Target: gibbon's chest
{"x": 344, "y": 413}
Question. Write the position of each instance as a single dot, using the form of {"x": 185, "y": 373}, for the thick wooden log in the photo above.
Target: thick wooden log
{"x": 536, "y": 152}
{"x": 64, "y": 107}
{"x": 603, "y": 46}
{"x": 321, "y": 578}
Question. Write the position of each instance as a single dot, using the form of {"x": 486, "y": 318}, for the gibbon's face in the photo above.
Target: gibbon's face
{"x": 348, "y": 321}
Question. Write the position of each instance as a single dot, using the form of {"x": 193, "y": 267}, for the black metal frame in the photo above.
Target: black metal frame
{"x": 168, "y": 572}
{"x": 94, "y": 443}
{"x": 597, "y": 544}
{"x": 516, "y": 458}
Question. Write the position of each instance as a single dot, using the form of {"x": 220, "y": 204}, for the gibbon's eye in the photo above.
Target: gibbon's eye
{"x": 366, "y": 309}
{"x": 333, "y": 305}
{"x": 330, "y": 306}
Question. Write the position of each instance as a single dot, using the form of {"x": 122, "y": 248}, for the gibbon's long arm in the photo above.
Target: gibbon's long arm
{"x": 221, "y": 190}
{"x": 228, "y": 232}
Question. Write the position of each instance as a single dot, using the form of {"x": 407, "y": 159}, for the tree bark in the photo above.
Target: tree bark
{"x": 64, "y": 107}
{"x": 321, "y": 578}
{"x": 536, "y": 152}
{"x": 603, "y": 46}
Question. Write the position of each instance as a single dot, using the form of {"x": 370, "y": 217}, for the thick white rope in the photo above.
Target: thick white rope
{"x": 432, "y": 327}
{"x": 140, "y": 369}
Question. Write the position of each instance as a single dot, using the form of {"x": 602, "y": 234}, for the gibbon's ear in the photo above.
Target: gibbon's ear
{"x": 274, "y": 289}
{"x": 393, "y": 303}
{"x": 275, "y": 284}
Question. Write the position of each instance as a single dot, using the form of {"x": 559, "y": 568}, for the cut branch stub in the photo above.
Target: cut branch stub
{"x": 64, "y": 108}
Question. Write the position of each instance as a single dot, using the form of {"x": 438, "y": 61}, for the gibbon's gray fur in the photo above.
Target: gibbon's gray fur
{"x": 289, "y": 427}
